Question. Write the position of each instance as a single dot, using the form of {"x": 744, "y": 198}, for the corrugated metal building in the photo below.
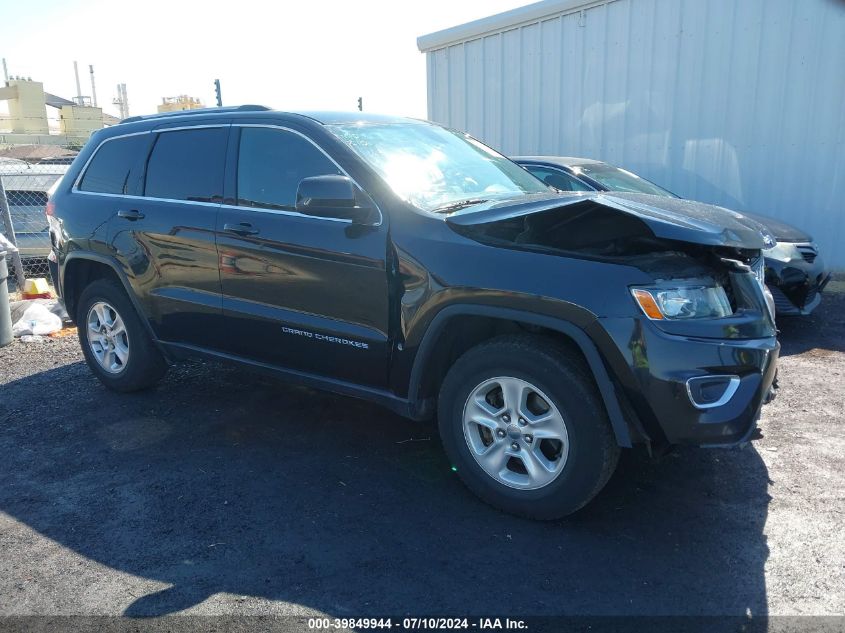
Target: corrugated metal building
{"x": 734, "y": 102}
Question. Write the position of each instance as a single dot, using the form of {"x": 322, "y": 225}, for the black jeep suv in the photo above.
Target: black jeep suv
{"x": 401, "y": 262}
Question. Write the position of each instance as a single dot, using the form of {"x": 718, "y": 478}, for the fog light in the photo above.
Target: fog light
{"x": 707, "y": 392}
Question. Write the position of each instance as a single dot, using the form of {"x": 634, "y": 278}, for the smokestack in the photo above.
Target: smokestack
{"x": 122, "y": 102}
{"x": 78, "y": 87}
{"x": 93, "y": 87}
{"x": 5, "y": 71}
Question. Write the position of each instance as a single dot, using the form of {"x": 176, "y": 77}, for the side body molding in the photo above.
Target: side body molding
{"x": 586, "y": 345}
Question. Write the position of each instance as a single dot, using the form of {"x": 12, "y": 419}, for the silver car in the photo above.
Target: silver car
{"x": 26, "y": 186}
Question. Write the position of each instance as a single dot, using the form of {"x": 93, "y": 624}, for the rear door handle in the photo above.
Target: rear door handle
{"x": 132, "y": 214}
{"x": 244, "y": 228}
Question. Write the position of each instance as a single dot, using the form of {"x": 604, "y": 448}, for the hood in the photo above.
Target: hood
{"x": 666, "y": 218}
{"x": 782, "y": 231}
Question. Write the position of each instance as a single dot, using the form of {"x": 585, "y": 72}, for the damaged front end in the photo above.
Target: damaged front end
{"x": 692, "y": 250}
{"x": 694, "y": 352}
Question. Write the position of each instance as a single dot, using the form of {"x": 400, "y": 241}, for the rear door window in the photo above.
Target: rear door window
{"x": 188, "y": 165}
{"x": 109, "y": 171}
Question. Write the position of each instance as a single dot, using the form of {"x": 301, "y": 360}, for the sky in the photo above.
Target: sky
{"x": 307, "y": 55}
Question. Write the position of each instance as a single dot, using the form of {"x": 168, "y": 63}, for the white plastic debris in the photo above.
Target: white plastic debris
{"x": 37, "y": 320}
{"x": 32, "y": 338}
{"x": 19, "y": 307}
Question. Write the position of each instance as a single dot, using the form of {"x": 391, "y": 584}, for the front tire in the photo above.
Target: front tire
{"x": 522, "y": 421}
{"x": 115, "y": 343}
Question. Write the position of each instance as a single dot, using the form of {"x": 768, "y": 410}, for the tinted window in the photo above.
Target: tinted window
{"x": 271, "y": 163}
{"x": 616, "y": 179}
{"x": 188, "y": 165}
{"x": 557, "y": 178}
{"x": 110, "y": 167}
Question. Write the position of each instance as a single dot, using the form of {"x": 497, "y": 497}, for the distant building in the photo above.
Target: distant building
{"x": 182, "y": 102}
{"x": 27, "y": 122}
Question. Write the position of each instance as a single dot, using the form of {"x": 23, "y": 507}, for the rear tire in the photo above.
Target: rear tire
{"x": 522, "y": 421}
{"x": 115, "y": 342}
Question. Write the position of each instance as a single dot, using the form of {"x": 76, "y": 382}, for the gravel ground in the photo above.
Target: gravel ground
{"x": 221, "y": 492}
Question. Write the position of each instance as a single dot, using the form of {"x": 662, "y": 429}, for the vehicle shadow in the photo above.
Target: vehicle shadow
{"x": 221, "y": 481}
{"x": 824, "y": 329}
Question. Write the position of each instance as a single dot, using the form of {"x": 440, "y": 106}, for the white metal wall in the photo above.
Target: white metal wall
{"x": 734, "y": 102}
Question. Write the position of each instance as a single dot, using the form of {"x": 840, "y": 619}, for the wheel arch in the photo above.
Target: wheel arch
{"x": 436, "y": 350}
{"x": 81, "y": 268}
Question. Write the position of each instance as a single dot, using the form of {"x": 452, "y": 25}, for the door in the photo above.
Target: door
{"x": 301, "y": 292}
{"x": 165, "y": 237}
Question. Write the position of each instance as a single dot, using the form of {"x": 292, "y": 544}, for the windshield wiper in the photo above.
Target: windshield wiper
{"x": 460, "y": 204}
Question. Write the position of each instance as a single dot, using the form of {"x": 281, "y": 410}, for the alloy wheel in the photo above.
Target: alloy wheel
{"x": 515, "y": 433}
{"x": 107, "y": 337}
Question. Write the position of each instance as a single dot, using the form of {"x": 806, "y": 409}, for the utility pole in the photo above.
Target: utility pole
{"x": 360, "y": 104}
{"x": 9, "y": 230}
{"x": 217, "y": 92}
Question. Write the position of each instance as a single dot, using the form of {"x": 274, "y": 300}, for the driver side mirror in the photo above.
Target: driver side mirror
{"x": 334, "y": 197}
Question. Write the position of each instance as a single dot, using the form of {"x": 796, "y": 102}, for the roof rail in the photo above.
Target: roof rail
{"x": 197, "y": 111}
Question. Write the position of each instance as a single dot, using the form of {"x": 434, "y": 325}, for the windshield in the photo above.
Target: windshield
{"x": 616, "y": 179}
{"x": 436, "y": 169}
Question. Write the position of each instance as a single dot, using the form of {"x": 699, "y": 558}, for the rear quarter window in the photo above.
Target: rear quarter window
{"x": 109, "y": 170}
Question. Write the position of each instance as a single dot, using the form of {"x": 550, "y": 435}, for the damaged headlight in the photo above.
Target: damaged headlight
{"x": 783, "y": 252}
{"x": 683, "y": 300}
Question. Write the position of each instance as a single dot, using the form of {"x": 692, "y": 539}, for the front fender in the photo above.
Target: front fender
{"x": 572, "y": 328}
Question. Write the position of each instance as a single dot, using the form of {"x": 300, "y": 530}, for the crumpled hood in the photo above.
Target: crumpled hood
{"x": 667, "y": 218}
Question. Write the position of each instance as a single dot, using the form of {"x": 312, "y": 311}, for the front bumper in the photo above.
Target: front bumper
{"x": 655, "y": 372}
{"x": 796, "y": 285}
{"x": 801, "y": 300}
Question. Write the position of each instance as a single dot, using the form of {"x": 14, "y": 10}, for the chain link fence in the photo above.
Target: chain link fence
{"x": 24, "y": 186}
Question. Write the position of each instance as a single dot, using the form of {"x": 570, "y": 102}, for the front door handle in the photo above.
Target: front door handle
{"x": 244, "y": 228}
{"x": 132, "y": 214}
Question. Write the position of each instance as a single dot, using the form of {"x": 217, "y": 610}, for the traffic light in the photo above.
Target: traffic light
{"x": 360, "y": 104}
{"x": 217, "y": 92}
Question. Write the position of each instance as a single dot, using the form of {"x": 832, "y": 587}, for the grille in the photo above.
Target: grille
{"x": 808, "y": 252}
{"x": 782, "y": 304}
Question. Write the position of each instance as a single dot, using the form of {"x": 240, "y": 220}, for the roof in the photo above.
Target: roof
{"x": 109, "y": 119}
{"x": 563, "y": 161}
{"x": 56, "y": 101}
{"x": 196, "y": 112}
{"x": 502, "y": 22}
{"x": 329, "y": 118}
{"x": 325, "y": 118}
{"x": 35, "y": 152}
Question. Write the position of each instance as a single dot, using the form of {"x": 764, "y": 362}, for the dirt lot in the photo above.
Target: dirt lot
{"x": 223, "y": 492}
